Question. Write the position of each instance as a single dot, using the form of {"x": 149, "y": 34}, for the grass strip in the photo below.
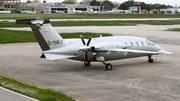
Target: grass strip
{"x": 173, "y": 29}
{"x": 87, "y": 16}
{"x": 13, "y": 36}
{"x": 32, "y": 91}
{"x": 86, "y": 35}
{"x": 96, "y": 23}
{"x": 112, "y": 23}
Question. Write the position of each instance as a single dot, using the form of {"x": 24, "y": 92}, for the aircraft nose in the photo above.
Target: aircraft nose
{"x": 159, "y": 48}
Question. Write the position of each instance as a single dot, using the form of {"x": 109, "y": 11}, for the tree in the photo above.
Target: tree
{"x": 28, "y": 1}
{"x": 148, "y": 8}
{"x": 69, "y": 2}
{"x": 163, "y": 6}
{"x": 116, "y": 4}
{"x": 123, "y": 6}
{"x": 108, "y": 5}
{"x": 101, "y": 1}
{"x": 85, "y": 1}
{"x": 44, "y": 1}
{"x": 143, "y": 5}
{"x": 126, "y": 5}
{"x": 95, "y": 3}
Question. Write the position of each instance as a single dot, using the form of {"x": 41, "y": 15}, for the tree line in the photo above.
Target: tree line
{"x": 108, "y": 5}
{"x": 144, "y": 6}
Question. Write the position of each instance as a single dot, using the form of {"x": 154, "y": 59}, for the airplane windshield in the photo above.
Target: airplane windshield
{"x": 150, "y": 43}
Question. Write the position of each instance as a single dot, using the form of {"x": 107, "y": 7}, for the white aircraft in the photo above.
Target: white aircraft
{"x": 29, "y": 12}
{"x": 77, "y": 11}
{"x": 88, "y": 50}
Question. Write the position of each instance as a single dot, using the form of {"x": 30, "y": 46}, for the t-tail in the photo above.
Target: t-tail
{"x": 47, "y": 37}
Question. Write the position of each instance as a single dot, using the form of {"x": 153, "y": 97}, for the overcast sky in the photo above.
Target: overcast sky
{"x": 166, "y": 2}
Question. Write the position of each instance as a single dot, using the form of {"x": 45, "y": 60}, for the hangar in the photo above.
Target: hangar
{"x": 49, "y": 8}
{"x": 65, "y": 8}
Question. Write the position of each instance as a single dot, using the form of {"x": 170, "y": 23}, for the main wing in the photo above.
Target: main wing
{"x": 137, "y": 51}
{"x": 132, "y": 51}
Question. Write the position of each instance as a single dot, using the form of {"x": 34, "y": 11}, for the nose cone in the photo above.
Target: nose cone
{"x": 158, "y": 48}
{"x": 162, "y": 51}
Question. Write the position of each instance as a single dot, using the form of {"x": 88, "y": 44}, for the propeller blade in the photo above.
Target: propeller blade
{"x": 82, "y": 39}
{"x": 89, "y": 41}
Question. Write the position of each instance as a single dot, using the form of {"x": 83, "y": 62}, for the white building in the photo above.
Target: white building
{"x": 170, "y": 11}
{"x": 135, "y": 9}
{"x": 66, "y": 8}
{"x": 49, "y": 8}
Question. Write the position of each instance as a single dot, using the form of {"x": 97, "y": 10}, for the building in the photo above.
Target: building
{"x": 8, "y": 5}
{"x": 65, "y": 8}
{"x": 170, "y": 11}
{"x": 47, "y": 8}
{"x": 11, "y": 5}
{"x": 17, "y": 5}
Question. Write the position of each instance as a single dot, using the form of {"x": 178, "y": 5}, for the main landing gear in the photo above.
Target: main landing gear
{"x": 87, "y": 63}
{"x": 150, "y": 60}
{"x": 108, "y": 65}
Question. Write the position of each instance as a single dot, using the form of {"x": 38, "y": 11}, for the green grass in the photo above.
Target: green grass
{"x": 173, "y": 29}
{"x": 33, "y": 91}
{"x": 12, "y": 36}
{"x": 95, "y": 23}
{"x": 6, "y": 24}
{"x": 86, "y": 35}
{"x": 111, "y": 23}
{"x": 87, "y": 16}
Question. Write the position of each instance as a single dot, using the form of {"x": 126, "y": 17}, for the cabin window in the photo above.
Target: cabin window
{"x": 137, "y": 43}
{"x": 150, "y": 43}
{"x": 131, "y": 44}
{"x": 142, "y": 43}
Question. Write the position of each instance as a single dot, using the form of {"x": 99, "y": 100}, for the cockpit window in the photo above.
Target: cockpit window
{"x": 150, "y": 43}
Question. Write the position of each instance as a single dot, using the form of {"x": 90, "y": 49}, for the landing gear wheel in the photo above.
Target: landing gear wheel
{"x": 87, "y": 64}
{"x": 150, "y": 60}
{"x": 108, "y": 66}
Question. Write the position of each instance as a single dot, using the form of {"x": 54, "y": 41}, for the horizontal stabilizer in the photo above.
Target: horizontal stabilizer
{"x": 133, "y": 51}
{"x": 28, "y": 21}
{"x": 57, "y": 56}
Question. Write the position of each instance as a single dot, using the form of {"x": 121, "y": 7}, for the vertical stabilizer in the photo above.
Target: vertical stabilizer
{"x": 46, "y": 35}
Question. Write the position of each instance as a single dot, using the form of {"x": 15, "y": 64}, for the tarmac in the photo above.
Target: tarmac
{"x": 8, "y": 95}
{"x": 130, "y": 80}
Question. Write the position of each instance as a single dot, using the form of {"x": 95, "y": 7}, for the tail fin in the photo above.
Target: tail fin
{"x": 47, "y": 37}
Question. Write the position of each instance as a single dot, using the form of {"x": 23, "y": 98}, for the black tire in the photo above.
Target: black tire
{"x": 108, "y": 66}
{"x": 151, "y": 60}
{"x": 88, "y": 63}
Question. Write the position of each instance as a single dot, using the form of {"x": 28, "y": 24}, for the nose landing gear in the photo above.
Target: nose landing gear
{"x": 150, "y": 60}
